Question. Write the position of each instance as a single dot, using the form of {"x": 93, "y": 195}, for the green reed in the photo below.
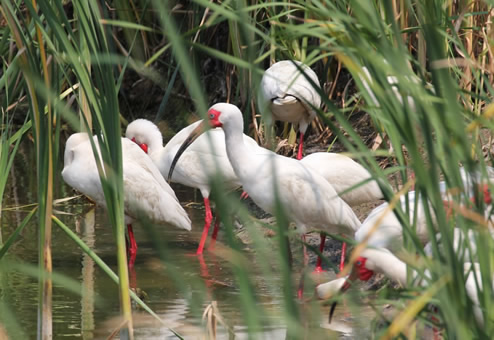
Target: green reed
{"x": 439, "y": 52}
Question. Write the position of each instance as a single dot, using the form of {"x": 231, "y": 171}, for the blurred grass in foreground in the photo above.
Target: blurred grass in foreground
{"x": 71, "y": 57}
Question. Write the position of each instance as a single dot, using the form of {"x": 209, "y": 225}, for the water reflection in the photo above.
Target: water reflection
{"x": 87, "y": 298}
{"x": 179, "y": 300}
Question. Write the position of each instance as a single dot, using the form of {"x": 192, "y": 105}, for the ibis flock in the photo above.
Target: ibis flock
{"x": 317, "y": 192}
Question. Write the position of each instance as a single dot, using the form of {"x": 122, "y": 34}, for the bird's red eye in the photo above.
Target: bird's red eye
{"x": 358, "y": 263}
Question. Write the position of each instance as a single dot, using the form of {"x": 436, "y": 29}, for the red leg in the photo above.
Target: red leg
{"x": 321, "y": 249}
{"x": 244, "y": 195}
{"x": 342, "y": 260}
{"x": 215, "y": 232}
{"x": 132, "y": 277}
{"x": 132, "y": 246}
{"x": 300, "y": 146}
{"x": 208, "y": 219}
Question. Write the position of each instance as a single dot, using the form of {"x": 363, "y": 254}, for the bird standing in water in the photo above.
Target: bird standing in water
{"x": 204, "y": 159}
{"x": 145, "y": 191}
{"x": 305, "y": 197}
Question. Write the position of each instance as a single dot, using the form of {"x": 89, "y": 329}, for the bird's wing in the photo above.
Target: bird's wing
{"x": 284, "y": 78}
{"x": 80, "y": 171}
{"x": 133, "y": 155}
{"x": 146, "y": 191}
{"x": 343, "y": 173}
{"x": 205, "y": 157}
{"x": 313, "y": 201}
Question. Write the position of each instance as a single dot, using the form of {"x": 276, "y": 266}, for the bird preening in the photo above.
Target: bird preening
{"x": 290, "y": 92}
{"x": 146, "y": 193}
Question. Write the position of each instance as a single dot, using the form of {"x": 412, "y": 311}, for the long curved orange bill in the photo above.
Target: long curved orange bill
{"x": 200, "y": 129}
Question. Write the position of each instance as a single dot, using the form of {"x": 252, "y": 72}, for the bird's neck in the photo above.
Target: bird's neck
{"x": 392, "y": 267}
{"x": 239, "y": 154}
{"x": 157, "y": 153}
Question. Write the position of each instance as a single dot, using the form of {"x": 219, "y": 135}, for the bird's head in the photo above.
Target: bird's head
{"x": 145, "y": 134}
{"x": 214, "y": 118}
{"x": 222, "y": 114}
{"x": 362, "y": 269}
{"x": 218, "y": 115}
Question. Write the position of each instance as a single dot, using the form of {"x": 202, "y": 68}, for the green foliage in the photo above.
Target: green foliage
{"x": 436, "y": 116}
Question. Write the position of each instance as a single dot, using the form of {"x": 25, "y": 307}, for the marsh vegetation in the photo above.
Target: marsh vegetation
{"x": 406, "y": 88}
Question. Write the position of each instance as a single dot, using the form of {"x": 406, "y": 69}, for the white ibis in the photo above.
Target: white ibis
{"x": 379, "y": 260}
{"x": 204, "y": 159}
{"x": 289, "y": 96}
{"x": 306, "y": 197}
{"x": 145, "y": 190}
{"x": 383, "y": 229}
{"x": 351, "y": 180}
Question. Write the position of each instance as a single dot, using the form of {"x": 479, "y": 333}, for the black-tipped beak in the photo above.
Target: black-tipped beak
{"x": 351, "y": 278}
{"x": 189, "y": 140}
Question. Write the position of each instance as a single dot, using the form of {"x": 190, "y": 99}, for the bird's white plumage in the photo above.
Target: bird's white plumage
{"x": 381, "y": 260}
{"x": 145, "y": 190}
{"x": 325, "y": 291}
{"x": 343, "y": 173}
{"x": 389, "y": 231}
{"x": 384, "y": 262}
{"x": 288, "y": 95}
{"x": 204, "y": 158}
{"x": 307, "y": 198}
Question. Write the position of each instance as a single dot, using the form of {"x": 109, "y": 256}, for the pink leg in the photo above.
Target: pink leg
{"x": 208, "y": 219}
{"x": 244, "y": 195}
{"x": 215, "y": 232}
{"x": 342, "y": 260}
{"x": 300, "y": 146}
{"x": 321, "y": 249}
{"x": 132, "y": 246}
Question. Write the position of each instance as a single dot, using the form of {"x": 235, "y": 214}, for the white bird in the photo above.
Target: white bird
{"x": 351, "y": 180}
{"x": 380, "y": 260}
{"x": 382, "y": 228}
{"x": 305, "y": 197}
{"x": 204, "y": 159}
{"x": 289, "y": 96}
{"x": 145, "y": 190}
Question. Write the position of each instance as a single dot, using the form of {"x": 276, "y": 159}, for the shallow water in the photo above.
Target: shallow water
{"x": 88, "y": 306}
